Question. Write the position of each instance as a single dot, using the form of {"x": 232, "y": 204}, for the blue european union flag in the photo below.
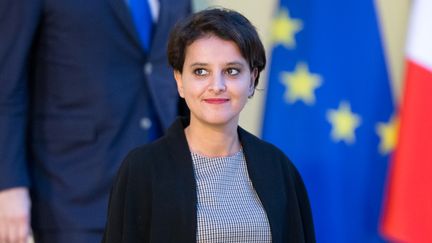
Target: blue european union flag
{"x": 329, "y": 108}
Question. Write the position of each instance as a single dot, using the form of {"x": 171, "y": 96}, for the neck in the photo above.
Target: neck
{"x": 212, "y": 141}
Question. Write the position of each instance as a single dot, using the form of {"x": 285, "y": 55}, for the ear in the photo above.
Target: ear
{"x": 179, "y": 81}
{"x": 254, "y": 75}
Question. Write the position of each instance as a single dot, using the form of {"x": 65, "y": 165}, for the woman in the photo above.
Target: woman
{"x": 207, "y": 179}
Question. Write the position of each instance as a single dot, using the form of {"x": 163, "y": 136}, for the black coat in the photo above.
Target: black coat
{"x": 154, "y": 197}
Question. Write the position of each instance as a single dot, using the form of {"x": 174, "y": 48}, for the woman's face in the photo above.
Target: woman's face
{"x": 216, "y": 81}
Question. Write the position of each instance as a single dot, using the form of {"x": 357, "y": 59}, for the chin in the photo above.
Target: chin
{"x": 219, "y": 120}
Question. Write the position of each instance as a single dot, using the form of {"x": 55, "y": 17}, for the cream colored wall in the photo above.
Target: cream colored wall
{"x": 393, "y": 18}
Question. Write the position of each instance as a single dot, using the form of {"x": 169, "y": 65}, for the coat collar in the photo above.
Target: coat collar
{"x": 260, "y": 170}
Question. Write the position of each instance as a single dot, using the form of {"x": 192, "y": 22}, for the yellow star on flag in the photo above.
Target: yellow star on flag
{"x": 300, "y": 84}
{"x": 344, "y": 123}
{"x": 284, "y": 29}
{"x": 388, "y": 135}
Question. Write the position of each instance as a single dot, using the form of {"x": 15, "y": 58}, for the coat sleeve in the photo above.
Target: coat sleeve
{"x": 19, "y": 21}
{"x": 129, "y": 208}
{"x": 116, "y": 207}
{"x": 305, "y": 208}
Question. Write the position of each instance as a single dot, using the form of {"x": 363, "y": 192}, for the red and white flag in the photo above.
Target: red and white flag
{"x": 407, "y": 213}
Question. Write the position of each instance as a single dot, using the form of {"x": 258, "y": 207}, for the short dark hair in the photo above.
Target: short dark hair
{"x": 223, "y": 23}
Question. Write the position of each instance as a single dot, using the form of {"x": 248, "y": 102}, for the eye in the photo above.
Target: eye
{"x": 232, "y": 71}
{"x": 200, "y": 72}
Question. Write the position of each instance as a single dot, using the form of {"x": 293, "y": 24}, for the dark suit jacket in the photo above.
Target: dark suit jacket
{"x": 154, "y": 198}
{"x": 74, "y": 84}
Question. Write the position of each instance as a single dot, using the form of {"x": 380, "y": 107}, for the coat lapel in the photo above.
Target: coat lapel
{"x": 122, "y": 13}
{"x": 179, "y": 152}
{"x": 265, "y": 178}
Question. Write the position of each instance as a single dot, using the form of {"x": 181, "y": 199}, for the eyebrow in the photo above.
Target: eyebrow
{"x": 236, "y": 63}
{"x": 202, "y": 64}
{"x": 198, "y": 64}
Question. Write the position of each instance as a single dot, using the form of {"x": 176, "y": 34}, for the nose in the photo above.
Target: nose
{"x": 217, "y": 84}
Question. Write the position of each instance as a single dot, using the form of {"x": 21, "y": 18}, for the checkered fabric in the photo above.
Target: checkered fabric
{"x": 229, "y": 209}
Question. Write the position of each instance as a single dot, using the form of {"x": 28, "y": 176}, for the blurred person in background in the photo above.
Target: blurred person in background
{"x": 207, "y": 179}
{"x": 82, "y": 82}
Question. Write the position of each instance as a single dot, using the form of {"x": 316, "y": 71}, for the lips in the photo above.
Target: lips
{"x": 216, "y": 100}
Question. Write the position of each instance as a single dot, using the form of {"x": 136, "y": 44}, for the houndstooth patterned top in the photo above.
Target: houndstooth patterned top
{"x": 228, "y": 208}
